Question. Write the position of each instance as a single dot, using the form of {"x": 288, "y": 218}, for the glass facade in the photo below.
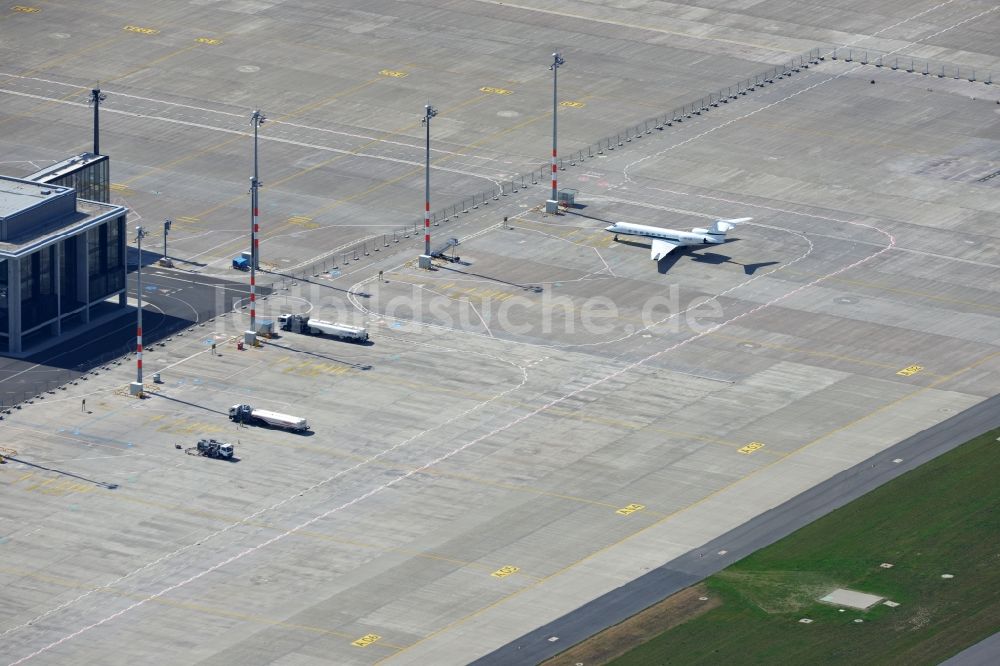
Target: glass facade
{"x": 90, "y": 182}
{"x": 4, "y": 303}
{"x": 49, "y": 279}
{"x": 69, "y": 288}
{"x": 38, "y": 288}
{"x": 106, "y": 258}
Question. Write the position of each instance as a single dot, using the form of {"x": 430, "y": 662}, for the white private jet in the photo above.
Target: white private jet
{"x": 665, "y": 241}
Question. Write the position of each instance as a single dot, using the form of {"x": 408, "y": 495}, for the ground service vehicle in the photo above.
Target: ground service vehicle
{"x": 303, "y": 324}
{"x": 213, "y": 448}
{"x": 249, "y": 415}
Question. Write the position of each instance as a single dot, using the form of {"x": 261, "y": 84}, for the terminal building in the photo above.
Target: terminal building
{"x": 62, "y": 260}
{"x": 86, "y": 173}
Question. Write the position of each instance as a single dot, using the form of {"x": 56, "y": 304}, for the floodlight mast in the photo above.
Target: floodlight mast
{"x": 257, "y": 119}
{"x": 140, "y": 233}
{"x": 429, "y": 112}
{"x": 96, "y": 97}
{"x": 557, "y": 61}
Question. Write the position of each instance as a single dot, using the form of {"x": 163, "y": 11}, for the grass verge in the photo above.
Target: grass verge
{"x": 942, "y": 518}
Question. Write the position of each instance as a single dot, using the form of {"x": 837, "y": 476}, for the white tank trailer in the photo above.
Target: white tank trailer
{"x": 304, "y": 324}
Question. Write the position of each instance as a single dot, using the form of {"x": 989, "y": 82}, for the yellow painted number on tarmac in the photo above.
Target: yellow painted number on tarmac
{"x": 366, "y": 640}
{"x": 496, "y": 91}
{"x": 503, "y": 572}
{"x": 630, "y": 509}
{"x": 26, "y": 10}
{"x": 393, "y": 73}
{"x": 208, "y": 40}
{"x": 140, "y": 30}
{"x": 750, "y": 448}
{"x": 572, "y": 104}
{"x": 910, "y": 370}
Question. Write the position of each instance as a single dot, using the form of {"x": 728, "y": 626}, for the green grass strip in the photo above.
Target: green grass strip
{"x": 942, "y": 518}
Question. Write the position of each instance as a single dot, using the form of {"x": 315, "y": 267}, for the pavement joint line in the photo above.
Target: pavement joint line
{"x": 167, "y": 556}
{"x": 702, "y": 500}
{"x": 652, "y": 156}
{"x": 365, "y": 310}
{"x": 891, "y": 244}
{"x": 185, "y": 605}
{"x": 211, "y": 149}
{"x": 839, "y": 357}
{"x": 634, "y": 26}
{"x": 830, "y": 219}
{"x": 310, "y": 534}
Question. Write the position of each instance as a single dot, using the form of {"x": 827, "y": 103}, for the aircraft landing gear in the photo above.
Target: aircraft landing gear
{"x": 616, "y": 238}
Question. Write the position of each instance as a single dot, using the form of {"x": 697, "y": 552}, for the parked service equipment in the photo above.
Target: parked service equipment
{"x": 303, "y": 324}
{"x": 249, "y": 415}
{"x": 212, "y": 448}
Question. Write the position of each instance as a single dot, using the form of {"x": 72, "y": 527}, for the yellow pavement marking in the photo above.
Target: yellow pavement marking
{"x": 209, "y": 40}
{"x": 302, "y": 221}
{"x": 393, "y": 73}
{"x": 503, "y": 572}
{"x": 572, "y": 104}
{"x": 187, "y": 218}
{"x": 496, "y": 91}
{"x": 750, "y": 448}
{"x": 140, "y": 30}
{"x": 910, "y": 370}
{"x": 630, "y": 509}
{"x": 366, "y": 640}
{"x": 26, "y": 10}
{"x": 666, "y": 517}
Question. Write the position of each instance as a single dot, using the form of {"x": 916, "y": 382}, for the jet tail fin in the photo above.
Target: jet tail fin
{"x": 721, "y": 226}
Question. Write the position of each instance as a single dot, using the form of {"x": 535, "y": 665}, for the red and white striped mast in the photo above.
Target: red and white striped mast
{"x": 557, "y": 60}
{"x": 140, "y": 233}
{"x": 429, "y": 112}
{"x": 257, "y": 119}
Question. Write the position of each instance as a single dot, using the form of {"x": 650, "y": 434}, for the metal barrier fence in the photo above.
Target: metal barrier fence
{"x": 355, "y": 251}
{"x": 913, "y": 65}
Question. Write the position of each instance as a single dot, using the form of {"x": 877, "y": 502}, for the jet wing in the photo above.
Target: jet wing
{"x": 661, "y": 248}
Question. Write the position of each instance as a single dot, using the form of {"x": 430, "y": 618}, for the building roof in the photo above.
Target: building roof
{"x": 33, "y": 215}
{"x": 17, "y": 196}
{"x": 60, "y": 169}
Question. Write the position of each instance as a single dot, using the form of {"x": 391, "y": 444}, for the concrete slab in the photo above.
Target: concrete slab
{"x": 540, "y": 423}
{"x": 851, "y": 599}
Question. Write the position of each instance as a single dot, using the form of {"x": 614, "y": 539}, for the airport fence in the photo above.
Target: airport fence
{"x": 357, "y": 250}
{"x": 912, "y": 64}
